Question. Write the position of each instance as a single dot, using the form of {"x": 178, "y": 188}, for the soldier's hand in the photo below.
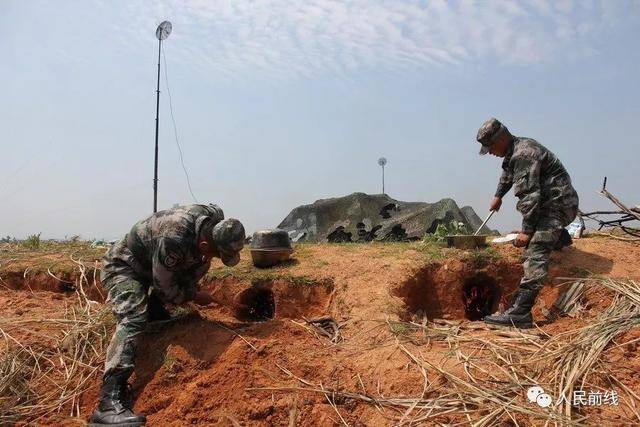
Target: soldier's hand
{"x": 496, "y": 202}
{"x": 522, "y": 240}
{"x": 202, "y": 298}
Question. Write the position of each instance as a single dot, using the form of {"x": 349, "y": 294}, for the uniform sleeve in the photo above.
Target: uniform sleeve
{"x": 215, "y": 213}
{"x": 505, "y": 182}
{"x": 169, "y": 280}
{"x": 526, "y": 187}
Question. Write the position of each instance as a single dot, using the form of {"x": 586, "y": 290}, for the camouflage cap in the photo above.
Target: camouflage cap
{"x": 488, "y": 132}
{"x": 228, "y": 236}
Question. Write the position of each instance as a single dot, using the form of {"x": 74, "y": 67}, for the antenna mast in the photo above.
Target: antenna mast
{"x": 162, "y": 32}
{"x": 382, "y": 162}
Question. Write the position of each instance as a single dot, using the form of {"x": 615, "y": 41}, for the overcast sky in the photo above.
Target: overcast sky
{"x": 280, "y": 103}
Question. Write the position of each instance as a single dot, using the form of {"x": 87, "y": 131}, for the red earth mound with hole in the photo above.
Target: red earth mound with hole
{"x": 244, "y": 358}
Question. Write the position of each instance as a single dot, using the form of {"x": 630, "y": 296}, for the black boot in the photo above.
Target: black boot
{"x": 113, "y": 408}
{"x": 519, "y": 314}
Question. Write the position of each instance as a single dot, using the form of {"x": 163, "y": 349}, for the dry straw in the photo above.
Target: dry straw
{"x": 494, "y": 367}
{"x": 37, "y": 381}
{"x": 482, "y": 381}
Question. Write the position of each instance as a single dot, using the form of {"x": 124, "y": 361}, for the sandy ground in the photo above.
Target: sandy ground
{"x": 221, "y": 367}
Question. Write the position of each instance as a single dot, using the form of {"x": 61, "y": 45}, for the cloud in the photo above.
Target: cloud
{"x": 298, "y": 39}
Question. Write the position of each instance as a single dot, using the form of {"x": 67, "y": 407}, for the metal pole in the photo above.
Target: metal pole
{"x": 382, "y": 179}
{"x": 155, "y": 164}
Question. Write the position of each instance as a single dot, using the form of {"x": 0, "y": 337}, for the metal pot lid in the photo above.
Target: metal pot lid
{"x": 271, "y": 250}
{"x": 271, "y": 239}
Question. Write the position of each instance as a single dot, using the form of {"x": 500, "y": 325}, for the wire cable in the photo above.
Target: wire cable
{"x": 175, "y": 128}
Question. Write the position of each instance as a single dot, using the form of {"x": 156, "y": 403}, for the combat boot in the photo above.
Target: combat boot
{"x": 114, "y": 408}
{"x": 519, "y": 314}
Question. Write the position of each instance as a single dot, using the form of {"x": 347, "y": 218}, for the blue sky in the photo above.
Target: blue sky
{"x": 280, "y": 103}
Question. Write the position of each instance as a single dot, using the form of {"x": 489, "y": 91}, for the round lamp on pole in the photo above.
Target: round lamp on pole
{"x": 382, "y": 162}
{"x": 162, "y": 32}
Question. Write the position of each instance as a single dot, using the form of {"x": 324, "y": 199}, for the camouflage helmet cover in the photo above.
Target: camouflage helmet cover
{"x": 488, "y": 133}
{"x": 228, "y": 236}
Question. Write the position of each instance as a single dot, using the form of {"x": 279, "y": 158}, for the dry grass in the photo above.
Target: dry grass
{"x": 493, "y": 368}
{"x": 49, "y": 255}
{"x": 485, "y": 385}
{"x": 573, "y": 359}
{"x": 37, "y": 381}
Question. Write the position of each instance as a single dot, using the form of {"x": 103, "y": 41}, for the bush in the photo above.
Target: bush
{"x": 443, "y": 230}
{"x": 32, "y": 241}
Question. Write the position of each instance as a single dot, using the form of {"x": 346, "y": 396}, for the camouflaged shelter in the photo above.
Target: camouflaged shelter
{"x": 362, "y": 217}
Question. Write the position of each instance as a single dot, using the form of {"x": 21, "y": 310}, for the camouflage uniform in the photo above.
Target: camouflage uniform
{"x": 158, "y": 259}
{"x": 547, "y": 201}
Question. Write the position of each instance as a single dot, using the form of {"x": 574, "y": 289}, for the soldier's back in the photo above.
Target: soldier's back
{"x": 551, "y": 166}
{"x": 137, "y": 247}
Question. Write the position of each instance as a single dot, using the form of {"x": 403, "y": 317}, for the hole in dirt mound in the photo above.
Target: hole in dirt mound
{"x": 255, "y": 304}
{"x": 480, "y": 294}
{"x": 457, "y": 290}
{"x": 264, "y": 299}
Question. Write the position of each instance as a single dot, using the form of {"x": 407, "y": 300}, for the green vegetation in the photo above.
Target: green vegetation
{"x": 443, "y": 230}
{"x": 32, "y": 241}
{"x": 245, "y": 271}
{"x": 482, "y": 257}
{"x": 434, "y": 251}
{"x": 400, "y": 328}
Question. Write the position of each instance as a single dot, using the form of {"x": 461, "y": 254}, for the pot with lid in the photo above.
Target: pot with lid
{"x": 269, "y": 247}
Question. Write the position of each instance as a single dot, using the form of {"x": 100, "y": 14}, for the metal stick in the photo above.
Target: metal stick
{"x": 484, "y": 223}
{"x": 155, "y": 163}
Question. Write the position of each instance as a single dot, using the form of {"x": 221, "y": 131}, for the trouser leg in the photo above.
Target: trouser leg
{"x": 128, "y": 298}
{"x": 536, "y": 268}
{"x": 129, "y": 303}
{"x": 536, "y": 259}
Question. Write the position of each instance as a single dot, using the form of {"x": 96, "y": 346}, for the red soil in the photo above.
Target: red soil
{"x": 199, "y": 370}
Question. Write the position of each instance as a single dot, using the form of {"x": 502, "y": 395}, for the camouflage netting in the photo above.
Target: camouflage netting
{"x": 363, "y": 217}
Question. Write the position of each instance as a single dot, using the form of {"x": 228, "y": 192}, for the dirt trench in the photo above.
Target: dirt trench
{"x": 269, "y": 299}
{"x": 458, "y": 290}
{"x": 66, "y": 283}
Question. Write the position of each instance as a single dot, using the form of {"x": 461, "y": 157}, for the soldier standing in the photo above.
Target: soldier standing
{"x": 547, "y": 201}
{"x": 159, "y": 261}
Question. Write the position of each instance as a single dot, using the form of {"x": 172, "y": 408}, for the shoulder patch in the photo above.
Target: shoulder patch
{"x": 172, "y": 259}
